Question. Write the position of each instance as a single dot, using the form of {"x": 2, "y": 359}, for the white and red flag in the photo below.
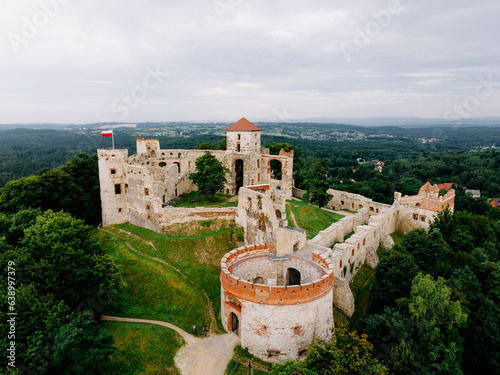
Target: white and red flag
{"x": 107, "y": 133}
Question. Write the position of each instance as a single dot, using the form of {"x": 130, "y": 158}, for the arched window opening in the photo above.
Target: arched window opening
{"x": 293, "y": 276}
{"x": 258, "y": 280}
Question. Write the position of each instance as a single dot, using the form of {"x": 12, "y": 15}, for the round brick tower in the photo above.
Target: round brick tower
{"x": 276, "y": 305}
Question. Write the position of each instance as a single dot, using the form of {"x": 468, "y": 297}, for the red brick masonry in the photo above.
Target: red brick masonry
{"x": 276, "y": 295}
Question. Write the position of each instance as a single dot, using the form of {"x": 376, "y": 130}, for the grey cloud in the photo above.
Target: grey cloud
{"x": 258, "y": 56}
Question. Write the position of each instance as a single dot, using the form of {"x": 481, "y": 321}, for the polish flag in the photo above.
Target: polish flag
{"x": 107, "y": 133}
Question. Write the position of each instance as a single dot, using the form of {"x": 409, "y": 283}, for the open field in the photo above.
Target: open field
{"x": 144, "y": 349}
{"x": 172, "y": 277}
{"x": 310, "y": 217}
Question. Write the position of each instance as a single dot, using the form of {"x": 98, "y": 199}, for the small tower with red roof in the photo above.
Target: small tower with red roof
{"x": 243, "y": 136}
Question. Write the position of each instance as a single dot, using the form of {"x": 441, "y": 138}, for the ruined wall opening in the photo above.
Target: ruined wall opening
{"x": 118, "y": 189}
{"x": 258, "y": 280}
{"x": 238, "y": 168}
{"x": 293, "y": 276}
{"x": 178, "y": 166}
{"x": 273, "y": 353}
{"x": 296, "y": 247}
{"x": 235, "y": 323}
{"x": 276, "y": 171}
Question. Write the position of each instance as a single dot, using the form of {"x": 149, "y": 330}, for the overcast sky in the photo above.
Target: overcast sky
{"x": 80, "y": 61}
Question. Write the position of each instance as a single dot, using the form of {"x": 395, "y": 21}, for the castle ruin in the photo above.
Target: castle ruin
{"x": 137, "y": 188}
{"x": 277, "y": 291}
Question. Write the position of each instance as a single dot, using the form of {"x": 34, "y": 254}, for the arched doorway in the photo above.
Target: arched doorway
{"x": 238, "y": 167}
{"x": 293, "y": 276}
{"x": 276, "y": 166}
{"x": 235, "y": 323}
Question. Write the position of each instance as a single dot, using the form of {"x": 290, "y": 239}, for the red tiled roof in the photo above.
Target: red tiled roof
{"x": 243, "y": 125}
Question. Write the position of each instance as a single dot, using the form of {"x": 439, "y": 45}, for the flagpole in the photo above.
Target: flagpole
{"x": 113, "y": 139}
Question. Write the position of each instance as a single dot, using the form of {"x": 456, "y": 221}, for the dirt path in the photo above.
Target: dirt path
{"x": 190, "y": 339}
{"x": 208, "y": 356}
{"x": 210, "y": 307}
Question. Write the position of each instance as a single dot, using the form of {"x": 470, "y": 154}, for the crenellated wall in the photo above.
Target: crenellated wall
{"x": 276, "y": 322}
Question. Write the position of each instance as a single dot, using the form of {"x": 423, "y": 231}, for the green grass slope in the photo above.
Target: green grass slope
{"x": 143, "y": 349}
{"x": 175, "y": 286}
{"x": 310, "y": 217}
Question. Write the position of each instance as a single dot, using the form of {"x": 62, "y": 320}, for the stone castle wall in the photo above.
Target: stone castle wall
{"x": 261, "y": 211}
{"x": 276, "y": 323}
{"x": 136, "y": 188}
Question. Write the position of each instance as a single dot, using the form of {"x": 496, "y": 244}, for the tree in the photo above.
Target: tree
{"x": 210, "y": 174}
{"x": 408, "y": 185}
{"x": 291, "y": 368}
{"x": 204, "y": 146}
{"x": 222, "y": 145}
{"x": 482, "y": 333}
{"x": 347, "y": 353}
{"x": 65, "y": 260}
{"x": 73, "y": 188}
{"x": 41, "y": 313}
{"x": 428, "y": 251}
{"x": 85, "y": 171}
{"x": 318, "y": 185}
{"x": 421, "y": 335}
{"x": 80, "y": 348}
{"x": 393, "y": 277}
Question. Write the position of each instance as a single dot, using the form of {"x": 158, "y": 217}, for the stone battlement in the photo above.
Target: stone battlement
{"x": 279, "y": 294}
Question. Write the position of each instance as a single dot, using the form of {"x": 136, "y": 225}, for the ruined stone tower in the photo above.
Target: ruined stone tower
{"x": 277, "y": 305}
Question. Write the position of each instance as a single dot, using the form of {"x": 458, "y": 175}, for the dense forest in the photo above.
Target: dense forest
{"x": 434, "y": 307}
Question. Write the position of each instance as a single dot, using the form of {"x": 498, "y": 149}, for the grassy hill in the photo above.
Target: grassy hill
{"x": 142, "y": 349}
{"x": 309, "y": 217}
{"x": 172, "y": 277}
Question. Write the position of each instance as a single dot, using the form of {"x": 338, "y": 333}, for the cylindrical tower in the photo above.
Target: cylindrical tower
{"x": 276, "y": 305}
